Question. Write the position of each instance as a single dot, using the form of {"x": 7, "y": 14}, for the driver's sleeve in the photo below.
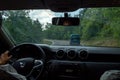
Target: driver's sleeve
{"x": 9, "y": 69}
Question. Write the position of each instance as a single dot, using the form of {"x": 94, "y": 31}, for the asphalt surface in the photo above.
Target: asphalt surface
{"x": 59, "y": 42}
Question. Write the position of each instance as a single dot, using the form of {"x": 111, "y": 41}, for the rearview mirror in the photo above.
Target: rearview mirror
{"x": 63, "y": 21}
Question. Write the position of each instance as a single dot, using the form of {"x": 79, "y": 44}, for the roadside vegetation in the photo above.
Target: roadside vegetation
{"x": 98, "y": 27}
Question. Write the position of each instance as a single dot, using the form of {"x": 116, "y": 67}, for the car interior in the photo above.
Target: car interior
{"x": 50, "y": 62}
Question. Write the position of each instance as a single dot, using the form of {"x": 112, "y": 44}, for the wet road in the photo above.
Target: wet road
{"x": 59, "y": 42}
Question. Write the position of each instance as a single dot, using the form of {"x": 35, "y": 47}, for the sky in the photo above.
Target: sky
{"x": 42, "y": 15}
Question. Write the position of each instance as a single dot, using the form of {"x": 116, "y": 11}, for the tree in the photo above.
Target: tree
{"x": 22, "y": 27}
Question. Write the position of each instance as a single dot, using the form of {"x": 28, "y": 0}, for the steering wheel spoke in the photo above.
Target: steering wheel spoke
{"x": 38, "y": 64}
{"x": 37, "y": 69}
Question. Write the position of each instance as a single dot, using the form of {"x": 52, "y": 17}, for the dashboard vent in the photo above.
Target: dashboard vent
{"x": 83, "y": 54}
{"x": 60, "y": 54}
{"x": 71, "y": 54}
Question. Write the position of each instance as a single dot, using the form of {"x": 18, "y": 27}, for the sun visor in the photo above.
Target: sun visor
{"x": 63, "y": 5}
{"x": 72, "y": 5}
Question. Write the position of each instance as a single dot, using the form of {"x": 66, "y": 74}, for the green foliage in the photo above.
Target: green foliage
{"x": 59, "y": 32}
{"x": 21, "y": 26}
{"x": 95, "y": 23}
{"x": 101, "y": 22}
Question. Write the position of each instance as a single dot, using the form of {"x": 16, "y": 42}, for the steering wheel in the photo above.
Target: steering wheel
{"x": 27, "y": 64}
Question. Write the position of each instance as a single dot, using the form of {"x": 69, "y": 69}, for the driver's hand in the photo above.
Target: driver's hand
{"x": 4, "y": 58}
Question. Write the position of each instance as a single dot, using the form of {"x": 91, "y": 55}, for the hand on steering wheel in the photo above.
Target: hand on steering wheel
{"x": 4, "y": 58}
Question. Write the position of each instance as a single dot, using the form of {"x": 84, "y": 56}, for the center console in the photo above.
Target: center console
{"x": 62, "y": 70}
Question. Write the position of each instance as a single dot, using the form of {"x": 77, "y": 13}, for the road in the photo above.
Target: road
{"x": 59, "y": 42}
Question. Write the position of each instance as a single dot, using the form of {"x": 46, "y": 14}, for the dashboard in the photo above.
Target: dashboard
{"x": 82, "y": 53}
{"x": 80, "y": 62}
{"x": 74, "y": 62}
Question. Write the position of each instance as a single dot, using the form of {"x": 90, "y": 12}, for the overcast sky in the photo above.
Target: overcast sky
{"x": 42, "y": 15}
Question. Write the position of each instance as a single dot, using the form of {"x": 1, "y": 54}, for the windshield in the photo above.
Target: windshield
{"x": 98, "y": 27}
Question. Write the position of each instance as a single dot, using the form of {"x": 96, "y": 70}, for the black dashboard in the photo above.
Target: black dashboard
{"x": 82, "y": 53}
{"x": 72, "y": 62}
{"x": 80, "y": 62}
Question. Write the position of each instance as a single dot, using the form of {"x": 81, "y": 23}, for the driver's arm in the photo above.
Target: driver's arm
{"x": 4, "y": 58}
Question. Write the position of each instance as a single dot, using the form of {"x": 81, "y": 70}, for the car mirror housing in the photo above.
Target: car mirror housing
{"x": 70, "y": 21}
